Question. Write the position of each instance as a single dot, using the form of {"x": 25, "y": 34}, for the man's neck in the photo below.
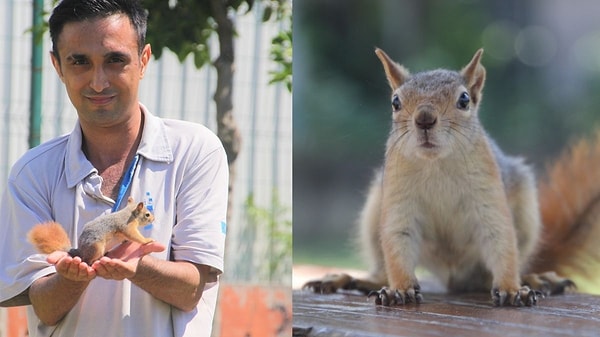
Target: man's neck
{"x": 111, "y": 151}
{"x": 106, "y": 147}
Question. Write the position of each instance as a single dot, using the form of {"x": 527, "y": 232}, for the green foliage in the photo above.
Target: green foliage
{"x": 185, "y": 26}
{"x": 275, "y": 261}
{"x": 281, "y": 53}
{"x": 281, "y": 45}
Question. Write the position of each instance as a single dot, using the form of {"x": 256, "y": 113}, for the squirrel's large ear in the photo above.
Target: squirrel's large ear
{"x": 474, "y": 75}
{"x": 396, "y": 74}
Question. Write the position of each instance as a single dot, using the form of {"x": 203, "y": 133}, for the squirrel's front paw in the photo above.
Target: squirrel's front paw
{"x": 391, "y": 297}
{"x": 548, "y": 283}
{"x": 329, "y": 284}
{"x": 519, "y": 297}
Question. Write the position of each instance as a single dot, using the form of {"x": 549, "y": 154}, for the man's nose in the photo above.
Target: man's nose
{"x": 99, "y": 79}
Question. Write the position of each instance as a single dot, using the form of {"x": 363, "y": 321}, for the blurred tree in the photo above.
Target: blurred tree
{"x": 185, "y": 26}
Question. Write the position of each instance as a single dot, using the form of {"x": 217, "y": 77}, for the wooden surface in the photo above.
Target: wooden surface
{"x": 442, "y": 315}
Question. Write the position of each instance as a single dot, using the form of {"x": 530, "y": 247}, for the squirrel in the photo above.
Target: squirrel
{"x": 448, "y": 198}
{"x": 50, "y": 236}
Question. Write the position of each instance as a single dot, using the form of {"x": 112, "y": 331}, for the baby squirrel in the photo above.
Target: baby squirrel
{"x": 448, "y": 198}
{"x": 50, "y": 236}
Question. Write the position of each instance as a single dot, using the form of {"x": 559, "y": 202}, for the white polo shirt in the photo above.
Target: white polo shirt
{"x": 182, "y": 167}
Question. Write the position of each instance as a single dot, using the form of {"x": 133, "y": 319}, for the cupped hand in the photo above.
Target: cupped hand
{"x": 122, "y": 261}
{"x": 71, "y": 268}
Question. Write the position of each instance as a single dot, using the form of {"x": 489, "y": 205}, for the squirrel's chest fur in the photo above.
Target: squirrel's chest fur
{"x": 437, "y": 198}
{"x": 443, "y": 202}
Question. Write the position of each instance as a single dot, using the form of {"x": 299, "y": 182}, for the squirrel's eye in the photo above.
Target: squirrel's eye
{"x": 463, "y": 101}
{"x": 396, "y": 103}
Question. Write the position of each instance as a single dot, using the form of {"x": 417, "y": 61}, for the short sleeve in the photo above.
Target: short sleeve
{"x": 20, "y": 265}
{"x": 201, "y": 210}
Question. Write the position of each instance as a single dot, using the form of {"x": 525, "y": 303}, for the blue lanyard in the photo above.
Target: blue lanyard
{"x": 126, "y": 182}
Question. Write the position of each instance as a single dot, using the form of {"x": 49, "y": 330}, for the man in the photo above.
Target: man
{"x": 117, "y": 149}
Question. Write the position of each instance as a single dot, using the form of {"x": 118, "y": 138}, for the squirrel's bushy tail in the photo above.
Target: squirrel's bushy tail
{"x": 49, "y": 237}
{"x": 569, "y": 197}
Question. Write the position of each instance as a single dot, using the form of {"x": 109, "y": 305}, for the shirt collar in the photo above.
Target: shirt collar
{"x": 154, "y": 146}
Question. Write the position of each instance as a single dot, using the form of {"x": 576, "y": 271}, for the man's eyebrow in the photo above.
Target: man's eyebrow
{"x": 118, "y": 54}
{"x": 76, "y": 57}
{"x": 112, "y": 54}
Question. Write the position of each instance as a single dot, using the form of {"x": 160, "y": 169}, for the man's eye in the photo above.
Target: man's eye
{"x": 79, "y": 62}
{"x": 116, "y": 60}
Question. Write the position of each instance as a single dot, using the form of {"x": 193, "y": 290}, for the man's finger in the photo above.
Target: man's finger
{"x": 54, "y": 257}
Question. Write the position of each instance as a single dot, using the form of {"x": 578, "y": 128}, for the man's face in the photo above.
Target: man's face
{"x": 101, "y": 68}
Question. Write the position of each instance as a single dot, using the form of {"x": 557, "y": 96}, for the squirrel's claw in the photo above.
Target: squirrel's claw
{"x": 392, "y": 297}
{"x": 523, "y": 296}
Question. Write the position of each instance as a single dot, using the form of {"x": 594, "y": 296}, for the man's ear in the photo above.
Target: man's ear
{"x": 474, "y": 75}
{"x": 56, "y": 64}
{"x": 145, "y": 59}
{"x": 395, "y": 73}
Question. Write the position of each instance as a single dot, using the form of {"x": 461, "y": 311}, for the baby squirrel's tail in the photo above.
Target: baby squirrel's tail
{"x": 49, "y": 237}
{"x": 569, "y": 199}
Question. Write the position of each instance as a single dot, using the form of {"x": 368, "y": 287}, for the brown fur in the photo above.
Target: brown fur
{"x": 49, "y": 237}
{"x": 569, "y": 198}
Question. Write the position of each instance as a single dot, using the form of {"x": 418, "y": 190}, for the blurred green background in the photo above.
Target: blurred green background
{"x": 542, "y": 92}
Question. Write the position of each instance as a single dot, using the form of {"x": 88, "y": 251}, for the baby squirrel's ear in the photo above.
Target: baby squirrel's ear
{"x": 139, "y": 207}
{"x": 396, "y": 74}
{"x": 474, "y": 75}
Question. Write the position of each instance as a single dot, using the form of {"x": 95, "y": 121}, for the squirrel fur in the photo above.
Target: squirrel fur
{"x": 569, "y": 196}
{"x": 449, "y": 199}
{"x": 97, "y": 234}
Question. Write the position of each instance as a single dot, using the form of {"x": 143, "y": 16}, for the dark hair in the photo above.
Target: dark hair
{"x": 80, "y": 10}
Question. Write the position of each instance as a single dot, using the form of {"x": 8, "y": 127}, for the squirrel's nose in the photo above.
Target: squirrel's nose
{"x": 425, "y": 120}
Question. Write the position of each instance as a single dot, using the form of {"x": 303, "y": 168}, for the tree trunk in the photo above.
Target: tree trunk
{"x": 227, "y": 129}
